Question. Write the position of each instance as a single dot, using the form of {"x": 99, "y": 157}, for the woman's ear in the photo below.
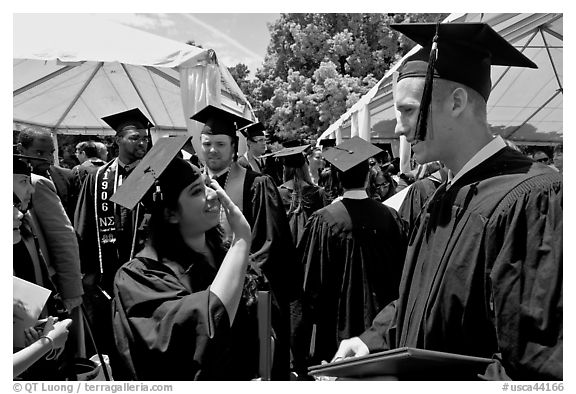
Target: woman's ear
{"x": 171, "y": 216}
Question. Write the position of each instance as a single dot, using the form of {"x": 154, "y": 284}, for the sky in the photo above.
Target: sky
{"x": 236, "y": 38}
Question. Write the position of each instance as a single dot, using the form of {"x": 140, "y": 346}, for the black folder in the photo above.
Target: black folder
{"x": 406, "y": 364}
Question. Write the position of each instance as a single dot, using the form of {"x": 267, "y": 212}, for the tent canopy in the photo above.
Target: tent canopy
{"x": 72, "y": 69}
{"x": 525, "y": 105}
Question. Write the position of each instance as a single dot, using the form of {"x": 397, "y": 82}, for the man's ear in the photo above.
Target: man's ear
{"x": 459, "y": 101}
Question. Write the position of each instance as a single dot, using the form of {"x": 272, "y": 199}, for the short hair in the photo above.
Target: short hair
{"x": 442, "y": 88}
{"x": 102, "y": 150}
{"x": 89, "y": 148}
{"x": 355, "y": 178}
{"x": 28, "y": 135}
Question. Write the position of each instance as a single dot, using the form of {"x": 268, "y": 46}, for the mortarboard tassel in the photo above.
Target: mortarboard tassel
{"x": 422, "y": 123}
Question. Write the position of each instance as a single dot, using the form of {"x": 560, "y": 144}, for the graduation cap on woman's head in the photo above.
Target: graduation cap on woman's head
{"x": 292, "y": 157}
{"x": 161, "y": 168}
{"x": 253, "y": 130}
{"x": 350, "y": 153}
{"x": 133, "y": 118}
{"x": 459, "y": 52}
{"x": 218, "y": 121}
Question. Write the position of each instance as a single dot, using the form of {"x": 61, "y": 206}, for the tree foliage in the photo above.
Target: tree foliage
{"x": 318, "y": 65}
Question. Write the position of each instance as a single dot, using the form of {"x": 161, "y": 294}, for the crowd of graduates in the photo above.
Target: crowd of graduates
{"x": 156, "y": 257}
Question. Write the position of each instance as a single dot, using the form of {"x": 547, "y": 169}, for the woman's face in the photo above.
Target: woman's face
{"x": 198, "y": 208}
{"x": 316, "y": 160}
{"x": 23, "y": 189}
{"x": 16, "y": 222}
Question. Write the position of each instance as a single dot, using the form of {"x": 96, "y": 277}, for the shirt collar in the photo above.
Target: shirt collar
{"x": 482, "y": 155}
{"x": 128, "y": 167}
{"x": 356, "y": 194}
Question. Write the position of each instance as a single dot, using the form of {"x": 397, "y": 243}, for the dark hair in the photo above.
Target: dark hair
{"x": 167, "y": 240}
{"x": 164, "y": 236}
{"x": 299, "y": 176}
{"x": 355, "y": 178}
{"x": 28, "y": 135}
{"x": 89, "y": 148}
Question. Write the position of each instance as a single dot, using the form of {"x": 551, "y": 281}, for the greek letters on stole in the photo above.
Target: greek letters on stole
{"x": 106, "y": 181}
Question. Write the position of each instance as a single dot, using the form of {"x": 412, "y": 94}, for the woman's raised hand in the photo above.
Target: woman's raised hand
{"x": 236, "y": 219}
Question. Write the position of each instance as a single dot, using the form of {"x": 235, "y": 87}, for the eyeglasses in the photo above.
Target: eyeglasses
{"x": 542, "y": 160}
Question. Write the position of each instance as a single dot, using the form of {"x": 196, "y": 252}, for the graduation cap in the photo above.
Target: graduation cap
{"x": 253, "y": 130}
{"x": 459, "y": 52}
{"x": 160, "y": 167}
{"x": 292, "y": 143}
{"x": 218, "y": 121}
{"x": 327, "y": 143}
{"x": 350, "y": 153}
{"x": 133, "y": 117}
{"x": 292, "y": 157}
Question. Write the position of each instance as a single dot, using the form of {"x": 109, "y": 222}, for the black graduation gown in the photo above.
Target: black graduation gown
{"x": 483, "y": 271}
{"x": 415, "y": 198}
{"x": 352, "y": 253}
{"x": 85, "y": 226}
{"x": 313, "y": 198}
{"x": 273, "y": 252}
{"x": 165, "y": 330}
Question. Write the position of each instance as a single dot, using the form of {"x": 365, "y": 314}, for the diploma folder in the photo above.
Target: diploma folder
{"x": 406, "y": 364}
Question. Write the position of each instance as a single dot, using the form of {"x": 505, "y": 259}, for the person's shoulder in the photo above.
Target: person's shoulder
{"x": 40, "y": 182}
{"x": 62, "y": 170}
{"x": 242, "y": 161}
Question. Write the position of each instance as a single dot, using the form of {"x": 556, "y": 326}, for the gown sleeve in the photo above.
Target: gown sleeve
{"x": 382, "y": 334}
{"x": 272, "y": 248}
{"x": 156, "y": 317}
{"x": 526, "y": 280}
{"x": 85, "y": 227}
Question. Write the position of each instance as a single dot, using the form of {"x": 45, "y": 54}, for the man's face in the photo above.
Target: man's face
{"x": 23, "y": 189}
{"x": 81, "y": 156}
{"x": 217, "y": 150}
{"x": 257, "y": 145}
{"x": 132, "y": 144}
{"x": 407, "y": 99}
{"x": 43, "y": 148}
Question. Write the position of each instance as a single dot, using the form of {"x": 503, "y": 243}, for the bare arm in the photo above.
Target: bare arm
{"x": 229, "y": 280}
{"x": 53, "y": 336}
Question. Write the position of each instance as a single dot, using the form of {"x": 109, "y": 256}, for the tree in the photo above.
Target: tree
{"x": 318, "y": 65}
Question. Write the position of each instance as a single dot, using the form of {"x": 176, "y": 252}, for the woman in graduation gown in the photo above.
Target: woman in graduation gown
{"x": 300, "y": 196}
{"x": 179, "y": 311}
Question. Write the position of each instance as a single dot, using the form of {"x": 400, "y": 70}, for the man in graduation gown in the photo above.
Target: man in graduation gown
{"x": 256, "y": 142}
{"x": 352, "y": 252}
{"x": 272, "y": 250}
{"x": 108, "y": 233}
{"x": 483, "y": 271}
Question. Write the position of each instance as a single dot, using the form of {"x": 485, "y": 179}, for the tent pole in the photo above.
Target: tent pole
{"x": 508, "y": 68}
{"x": 41, "y": 80}
{"x": 137, "y": 92}
{"x": 77, "y": 97}
{"x": 55, "y": 141}
{"x": 534, "y": 114}
{"x": 167, "y": 77}
{"x": 551, "y": 61}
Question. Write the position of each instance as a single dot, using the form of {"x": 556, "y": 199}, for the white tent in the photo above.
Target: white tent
{"x": 525, "y": 104}
{"x": 72, "y": 69}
